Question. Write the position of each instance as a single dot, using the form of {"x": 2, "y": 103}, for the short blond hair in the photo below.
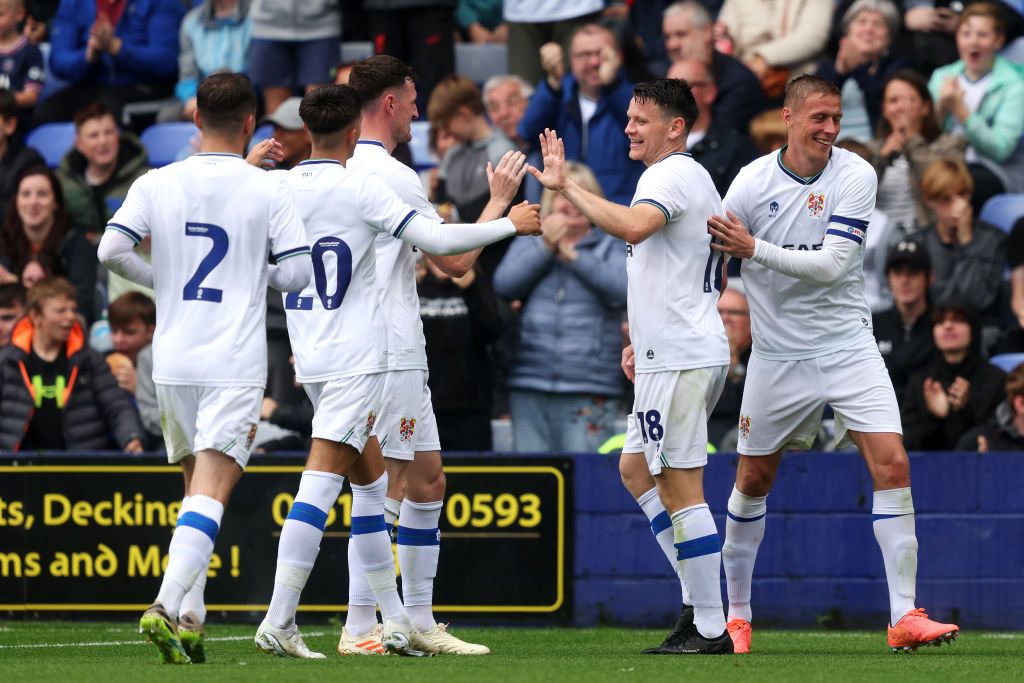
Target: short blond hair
{"x": 450, "y": 95}
{"x": 944, "y": 178}
{"x": 48, "y": 288}
{"x": 580, "y": 174}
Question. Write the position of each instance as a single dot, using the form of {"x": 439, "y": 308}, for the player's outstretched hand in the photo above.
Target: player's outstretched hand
{"x": 526, "y": 218}
{"x": 554, "y": 177}
{"x": 629, "y": 363}
{"x": 505, "y": 180}
{"x": 266, "y": 154}
{"x": 731, "y": 235}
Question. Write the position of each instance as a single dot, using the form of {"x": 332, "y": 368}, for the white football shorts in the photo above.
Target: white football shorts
{"x": 783, "y": 400}
{"x": 345, "y": 410}
{"x": 197, "y": 418}
{"x": 669, "y": 423}
{"x": 407, "y": 421}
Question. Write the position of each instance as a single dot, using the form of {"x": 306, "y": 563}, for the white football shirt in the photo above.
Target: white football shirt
{"x": 214, "y": 220}
{"x": 335, "y": 326}
{"x": 396, "y": 260}
{"x": 674, "y": 276}
{"x": 793, "y": 319}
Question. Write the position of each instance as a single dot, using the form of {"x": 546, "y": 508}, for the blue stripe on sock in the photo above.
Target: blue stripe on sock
{"x": 875, "y": 518}
{"x": 407, "y": 536}
{"x": 705, "y": 545}
{"x": 370, "y": 524}
{"x": 200, "y": 522}
{"x": 745, "y": 519}
{"x": 390, "y": 529}
{"x": 660, "y": 523}
{"x": 310, "y": 514}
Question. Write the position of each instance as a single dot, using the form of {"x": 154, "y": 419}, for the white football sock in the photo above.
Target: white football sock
{"x": 300, "y": 543}
{"x": 193, "y": 600}
{"x": 362, "y": 604}
{"x": 190, "y": 550}
{"x": 373, "y": 546}
{"x": 419, "y": 546}
{"x": 744, "y": 529}
{"x": 699, "y": 554}
{"x": 661, "y": 527}
{"x": 893, "y": 514}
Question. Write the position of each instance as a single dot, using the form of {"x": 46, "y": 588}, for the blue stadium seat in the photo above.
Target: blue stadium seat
{"x": 52, "y": 141}
{"x": 419, "y": 146}
{"x": 1003, "y": 211}
{"x": 168, "y": 142}
{"x": 1007, "y": 361}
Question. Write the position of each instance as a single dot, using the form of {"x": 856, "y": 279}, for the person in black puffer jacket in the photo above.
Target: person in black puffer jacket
{"x": 957, "y": 391}
{"x": 55, "y": 392}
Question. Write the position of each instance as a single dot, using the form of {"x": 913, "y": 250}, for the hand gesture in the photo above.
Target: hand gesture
{"x": 552, "y": 151}
{"x": 959, "y": 393}
{"x": 628, "y": 363}
{"x": 610, "y": 63}
{"x": 849, "y": 56}
{"x": 951, "y": 95}
{"x": 505, "y": 180}
{"x": 552, "y": 60}
{"x": 555, "y": 226}
{"x": 961, "y": 210}
{"x": 895, "y": 143}
{"x": 935, "y": 399}
{"x": 133, "y": 446}
{"x": 982, "y": 444}
{"x": 566, "y": 251}
{"x": 733, "y": 237}
{"x": 266, "y": 154}
{"x": 526, "y": 218}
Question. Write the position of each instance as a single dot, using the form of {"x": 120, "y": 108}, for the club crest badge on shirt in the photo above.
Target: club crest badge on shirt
{"x": 815, "y": 205}
{"x": 406, "y": 428}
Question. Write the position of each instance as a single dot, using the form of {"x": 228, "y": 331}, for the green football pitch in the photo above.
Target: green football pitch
{"x": 112, "y": 652}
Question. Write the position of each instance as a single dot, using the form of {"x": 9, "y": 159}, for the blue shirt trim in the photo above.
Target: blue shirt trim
{"x": 372, "y": 142}
{"x": 297, "y": 251}
{"x": 310, "y": 162}
{"x": 848, "y": 234}
{"x": 124, "y": 230}
{"x": 404, "y": 224}
{"x": 794, "y": 176}
{"x": 657, "y": 204}
{"x": 852, "y": 222}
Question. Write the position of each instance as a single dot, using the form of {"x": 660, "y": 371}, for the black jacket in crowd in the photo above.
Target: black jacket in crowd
{"x": 1000, "y": 433}
{"x": 904, "y": 349}
{"x": 922, "y": 431}
{"x": 723, "y": 152}
{"x": 98, "y": 415}
{"x": 17, "y": 157}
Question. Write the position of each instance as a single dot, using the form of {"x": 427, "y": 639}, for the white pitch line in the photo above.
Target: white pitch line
{"x": 132, "y": 642}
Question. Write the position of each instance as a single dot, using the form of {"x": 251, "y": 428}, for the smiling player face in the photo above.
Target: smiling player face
{"x": 813, "y": 127}
{"x": 648, "y": 131}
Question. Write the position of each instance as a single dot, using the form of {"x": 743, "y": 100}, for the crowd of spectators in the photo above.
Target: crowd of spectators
{"x": 933, "y": 95}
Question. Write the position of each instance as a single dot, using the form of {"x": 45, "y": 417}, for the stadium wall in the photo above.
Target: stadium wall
{"x": 819, "y": 563}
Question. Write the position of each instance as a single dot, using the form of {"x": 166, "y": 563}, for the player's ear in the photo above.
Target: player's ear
{"x": 196, "y": 120}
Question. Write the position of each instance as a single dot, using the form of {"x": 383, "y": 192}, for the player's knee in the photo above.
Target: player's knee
{"x": 893, "y": 472}
{"x": 427, "y": 486}
{"x": 755, "y": 481}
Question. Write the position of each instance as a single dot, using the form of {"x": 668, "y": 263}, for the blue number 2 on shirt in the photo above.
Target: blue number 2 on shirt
{"x": 194, "y": 291}
{"x": 330, "y": 301}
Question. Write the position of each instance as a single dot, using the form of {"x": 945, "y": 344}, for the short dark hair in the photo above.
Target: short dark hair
{"x": 8, "y": 105}
{"x": 930, "y": 124}
{"x": 802, "y": 87}
{"x": 224, "y": 100}
{"x": 372, "y": 77}
{"x": 12, "y": 294}
{"x": 131, "y": 306}
{"x": 93, "y": 110}
{"x": 330, "y": 109}
{"x": 673, "y": 96}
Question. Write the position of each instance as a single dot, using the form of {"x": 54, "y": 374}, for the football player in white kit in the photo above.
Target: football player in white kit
{"x": 339, "y": 337}
{"x": 213, "y": 220}
{"x": 681, "y": 351}
{"x": 407, "y": 429}
{"x": 798, "y": 216}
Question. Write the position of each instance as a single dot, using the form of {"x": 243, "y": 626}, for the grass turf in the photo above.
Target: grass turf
{"x": 35, "y": 651}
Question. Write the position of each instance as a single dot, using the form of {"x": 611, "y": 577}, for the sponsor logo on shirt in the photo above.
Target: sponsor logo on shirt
{"x": 650, "y": 354}
{"x": 815, "y": 205}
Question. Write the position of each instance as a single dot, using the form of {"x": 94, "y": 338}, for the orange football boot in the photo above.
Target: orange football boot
{"x": 916, "y": 630}
{"x": 740, "y": 631}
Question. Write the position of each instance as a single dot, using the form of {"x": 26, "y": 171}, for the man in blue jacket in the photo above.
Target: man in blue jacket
{"x": 588, "y": 108}
{"x": 126, "y": 52}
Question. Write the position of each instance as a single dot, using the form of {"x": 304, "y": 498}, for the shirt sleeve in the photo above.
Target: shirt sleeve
{"x": 853, "y": 212}
{"x": 133, "y": 218}
{"x": 410, "y": 190}
{"x": 382, "y": 208}
{"x": 287, "y": 233}
{"x": 35, "y": 69}
{"x": 660, "y": 188}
